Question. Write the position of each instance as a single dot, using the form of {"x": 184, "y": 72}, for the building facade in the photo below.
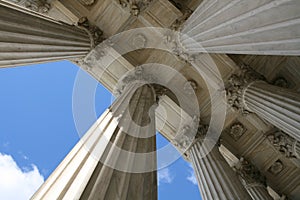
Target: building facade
{"x": 219, "y": 79}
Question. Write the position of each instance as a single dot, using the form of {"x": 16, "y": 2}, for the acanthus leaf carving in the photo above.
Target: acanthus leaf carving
{"x": 283, "y": 143}
{"x": 187, "y": 134}
{"x": 249, "y": 173}
{"x": 237, "y": 83}
{"x": 96, "y": 35}
{"x": 172, "y": 41}
{"x": 138, "y": 74}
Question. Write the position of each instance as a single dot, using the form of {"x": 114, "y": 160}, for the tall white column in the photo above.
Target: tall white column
{"x": 113, "y": 160}
{"x": 27, "y": 37}
{"x": 216, "y": 179}
{"x": 280, "y": 106}
{"x": 253, "y": 180}
{"x": 269, "y": 27}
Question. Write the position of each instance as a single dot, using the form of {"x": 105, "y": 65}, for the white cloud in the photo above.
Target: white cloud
{"x": 165, "y": 176}
{"x": 16, "y": 184}
{"x": 192, "y": 178}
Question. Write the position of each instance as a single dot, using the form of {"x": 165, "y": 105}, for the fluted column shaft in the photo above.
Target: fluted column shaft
{"x": 108, "y": 162}
{"x": 253, "y": 180}
{"x": 27, "y": 37}
{"x": 216, "y": 179}
{"x": 279, "y": 106}
{"x": 257, "y": 27}
{"x": 258, "y": 191}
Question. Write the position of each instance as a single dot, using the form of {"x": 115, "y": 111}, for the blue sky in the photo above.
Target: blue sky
{"x": 37, "y": 130}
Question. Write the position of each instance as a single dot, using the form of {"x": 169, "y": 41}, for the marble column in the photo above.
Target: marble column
{"x": 27, "y": 37}
{"x": 113, "y": 160}
{"x": 259, "y": 27}
{"x": 216, "y": 179}
{"x": 280, "y": 106}
{"x": 253, "y": 180}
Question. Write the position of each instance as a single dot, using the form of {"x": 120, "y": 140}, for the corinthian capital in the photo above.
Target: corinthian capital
{"x": 250, "y": 174}
{"x": 236, "y": 85}
{"x": 96, "y": 35}
{"x": 285, "y": 144}
{"x": 190, "y": 134}
{"x": 138, "y": 75}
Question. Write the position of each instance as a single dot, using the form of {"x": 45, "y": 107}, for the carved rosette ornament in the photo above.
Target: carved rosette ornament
{"x": 250, "y": 174}
{"x": 135, "y": 6}
{"x": 237, "y": 84}
{"x": 276, "y": 168}
{"x": 236, "y": 130}
{"x": 285, "y": 144}
{"x": 96, "y": 35}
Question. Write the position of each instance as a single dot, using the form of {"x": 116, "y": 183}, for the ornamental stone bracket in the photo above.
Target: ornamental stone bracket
{"x": 286, "y": 145}
{"x": 237, "y": 83}
{"x": 41, "y": 6}
{"x": 250, "y": 174}
{"x": 96, "y": 35}
{"x": 134, "y": 6}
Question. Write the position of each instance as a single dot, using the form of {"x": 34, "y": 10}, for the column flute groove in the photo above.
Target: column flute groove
{"x": 28, "y": 38}
{"x": 248, "y": 91}
{"x": 244, "y": 27}
{"x": 88, "y": 171}
{"x": 215, "y": 177}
